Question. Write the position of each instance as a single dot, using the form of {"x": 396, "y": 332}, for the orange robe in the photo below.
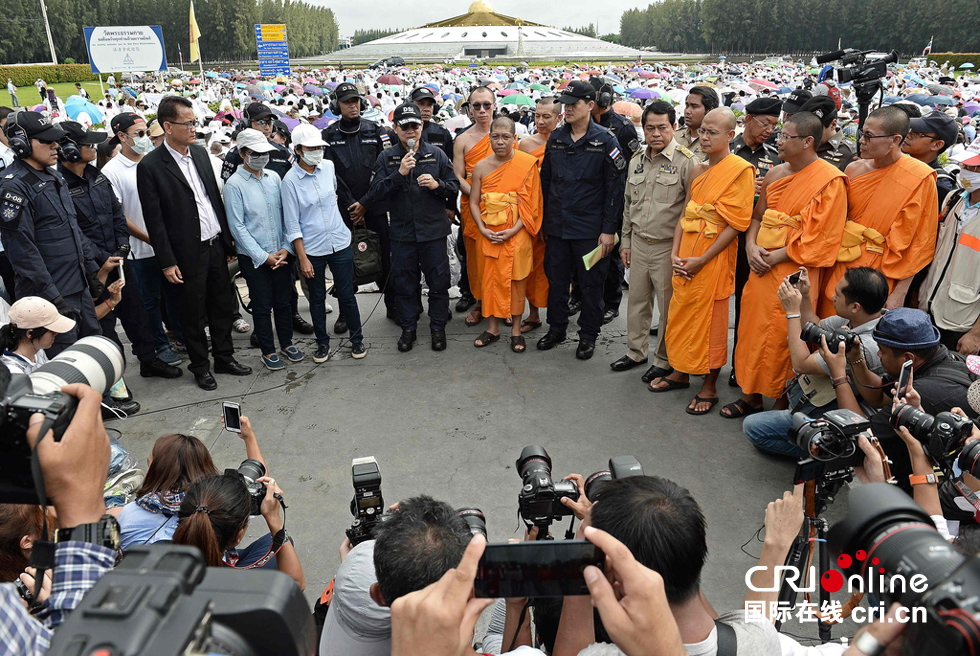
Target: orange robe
{"x": 473, "y": 239}
{"x": 508, "y": 193}
{"x": 697, "y": 324}
{"x": 805, "y": 213}
{"x": 892, "y": 220}
{"x": 537, "y": 282}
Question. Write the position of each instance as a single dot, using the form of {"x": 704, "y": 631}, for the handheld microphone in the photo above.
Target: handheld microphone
{"x": 411, "y": 149}
{"x": 411, "y": 144}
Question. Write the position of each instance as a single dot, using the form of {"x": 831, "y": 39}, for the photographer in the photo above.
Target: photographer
{"x": 214, "y": 518}
{"x": 34, "y": 325}
{"x": 858, "y": 299}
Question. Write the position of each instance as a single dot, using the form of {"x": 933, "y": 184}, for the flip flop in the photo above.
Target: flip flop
{"x": 738, "y": 409}
{"x": 671, "y": 386}
{"x": 473, "y": 323}
{"x": 508, "y": 322}
{"x": 527, "y": 325}
{"x": 517, "y": 341}
{"x": 486, "y": 338}
{"x": 697, "y": 399}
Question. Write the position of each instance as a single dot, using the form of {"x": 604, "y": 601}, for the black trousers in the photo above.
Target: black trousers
{"x": 131, "y": 313}
{"x": 7, "y": 275}
{"x": 562, "y": 257}
{"x": 464, "y": 278}
{"x": 742, "y": 272}
{"x": 86, "y": 322}
{"x": 409, "y": 260}
{"x": 612, "y": 286}
{"x": 206, "y": 299}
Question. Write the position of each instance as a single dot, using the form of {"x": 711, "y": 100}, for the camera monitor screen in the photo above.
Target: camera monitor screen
{"x": 544, "y": 568}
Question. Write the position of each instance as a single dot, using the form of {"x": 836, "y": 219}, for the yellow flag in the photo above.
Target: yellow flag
{"x": 195, "y": 35}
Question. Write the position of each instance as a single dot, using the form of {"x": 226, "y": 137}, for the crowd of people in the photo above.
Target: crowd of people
{"x": 847, "y": 253}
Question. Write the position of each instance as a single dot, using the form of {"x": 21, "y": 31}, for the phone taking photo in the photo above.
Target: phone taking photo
{"x": 904, "y": 379}
{"x": 794, "y": 278}
{"x": 232, "y": 413}
{"x": 542, "y": 568}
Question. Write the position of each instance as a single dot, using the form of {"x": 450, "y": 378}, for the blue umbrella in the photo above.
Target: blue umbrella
{"x": 239, "y": 85}
{"x": 966, "y": 65}
{"x": 615, "y": 78}
{"x": 75, "y": 105}
{"x": 940, "y": 100}
{"x": 918, "y": 98}
{"x": 211, "y": 74}
{"x": 451, "y": 96}
{"x": 225, "y": 75}
{"x": 784, "y": 90}
{"x": 892, "y": 99}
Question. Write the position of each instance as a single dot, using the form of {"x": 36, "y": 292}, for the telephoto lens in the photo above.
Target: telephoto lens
{"x": 475, "y": 519}
{"x": 595, "y": 483}
{"x": 252, "y": 470}
{"x": 95, "y": 361}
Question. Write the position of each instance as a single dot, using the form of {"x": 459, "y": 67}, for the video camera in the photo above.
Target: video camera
{"x": 95, "y": 361}
{"x": 163, "y": 600}
{"x": 830, "y": 444}
{"x": 367, "y": 506}
{"x": 942, "y": 436}
{"x": 897, "y": 536}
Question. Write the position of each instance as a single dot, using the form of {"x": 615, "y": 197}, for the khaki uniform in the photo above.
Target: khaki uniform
{"x": 656, "y": 189}
{"x": 837, "y": 151}
{"x": 690, "y": 138}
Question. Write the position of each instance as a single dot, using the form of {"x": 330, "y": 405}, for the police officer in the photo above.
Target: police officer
{"x": 834, "y": 147}
{"x": 414, "y": 179}
{"x": 582, "y": 185}
{"x": 100, "y": 217}
{"x": 432, "y": 133}
{"x": 50, "y": 256}
{"x": 354, "y": 145}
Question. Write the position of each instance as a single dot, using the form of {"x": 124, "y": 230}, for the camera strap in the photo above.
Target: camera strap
{"x": 970, "y": 496}
{"x": 278, "y": 540}
{"x": 42, "y": 555}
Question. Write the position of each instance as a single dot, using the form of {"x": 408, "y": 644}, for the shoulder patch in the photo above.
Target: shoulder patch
{"x": 10, "y": 208}
{"x": 685, "y": 151}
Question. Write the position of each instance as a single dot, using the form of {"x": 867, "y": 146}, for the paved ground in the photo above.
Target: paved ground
{"x": 452, "y": 424}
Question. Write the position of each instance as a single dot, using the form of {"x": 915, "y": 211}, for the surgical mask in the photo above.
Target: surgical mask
{"x": 257, "y": 162}
{"x": 970, "y": 180}
{"x": 142, "y": 145}
{"x": 313, "y": 157}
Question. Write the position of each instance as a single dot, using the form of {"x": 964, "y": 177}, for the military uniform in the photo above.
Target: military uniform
{"x": 837, "y": 151}
{"x": 691, "y": 140}
{"x": 656, "y": 188}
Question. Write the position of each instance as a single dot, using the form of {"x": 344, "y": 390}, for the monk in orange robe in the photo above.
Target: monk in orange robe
{"x": 798, "y": 222}
{"x": 547, "y": 113}
{"x": 470, "y": 148}
{"x": 506, "y": 204}
{"x": 719, "y": 207}
{"x": 892, "y": 215}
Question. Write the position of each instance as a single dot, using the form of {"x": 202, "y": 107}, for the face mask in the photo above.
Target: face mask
{"x": 257, "y": 162}
{"x": 970, "y": 180}
{"x": 313, "y": 157}
{"x": 142, "y": 145}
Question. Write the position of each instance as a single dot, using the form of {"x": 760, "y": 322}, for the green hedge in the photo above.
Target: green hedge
{"x": 24, "y": 76}
{"x": 955, "y": 58}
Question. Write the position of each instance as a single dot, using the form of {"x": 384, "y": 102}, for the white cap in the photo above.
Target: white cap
{"x": 254, "y": 141}
{"x": 305, "y": 134}
{"x": 971, "y": 156}
{"x": 35, "y": 312}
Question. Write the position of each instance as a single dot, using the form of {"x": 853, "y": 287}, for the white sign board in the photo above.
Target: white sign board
{"x": 127, "y": 49}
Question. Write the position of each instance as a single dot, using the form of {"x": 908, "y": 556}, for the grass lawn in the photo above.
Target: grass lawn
{"x": 29, "y": 98}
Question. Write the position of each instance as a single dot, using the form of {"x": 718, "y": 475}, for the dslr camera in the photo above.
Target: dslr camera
{"x": 251, "y": 471}
{"x": 942, "y": 436}
{"x": 368, "y": 505}
{"x": 540, "y": 497}
{"x": 619, "y": 467}
{"x": 95, "y": 361}
{"x": 830, "y": 441}
{"x": 812, "y": 333}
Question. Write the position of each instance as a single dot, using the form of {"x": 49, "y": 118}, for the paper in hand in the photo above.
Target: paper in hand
{"x": 593, "y": 256}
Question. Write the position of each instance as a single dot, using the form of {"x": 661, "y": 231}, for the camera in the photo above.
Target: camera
{"x": 942, "y": 436}
{"x": 475, "y": 519}
{"x": 163, "y": 600}
{"x": 619, "y": 467}
{"x": 95, "y": 361}
{"x": 367, "y": 506}
{"x": 812, "y": 333}
{"x": 540, "y": 498}
{"x": 251, "y": 471}
{"x": 830, "y": 440}
{"x": 898, "y": 537}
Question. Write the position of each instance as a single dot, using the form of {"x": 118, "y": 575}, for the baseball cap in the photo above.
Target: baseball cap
{"x": 423, "y": 93}
{"x": 575, "y": 91}
{"x": 345, "y": 91}
{"x": 76, "y": 132}
{"x": 906, "y": 329}
{"x": 940, "y": 123}
{"x": 154, "y": 128}
{"x": 407, "y": 113}
{"x": 764, "y": 107}
{"x": 795, "y": 100}
{"x": 306, "y": 135}
{"x": 970, "y": 156}
{"x": 36, "y": 125}
{"x": 35, "y": 312}
{"x": 355, "y": 625}
{"x": 823, "y": 107}
{"x": 254, "y": 141}
{"x": 256, "y": 111}
{"x": 122, "y": 122}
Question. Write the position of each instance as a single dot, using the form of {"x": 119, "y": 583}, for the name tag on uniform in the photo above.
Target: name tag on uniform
{"x": 76, "y": 191}
{"x": 394, "y": 159}
{"x": 595, "y": 146}
{"x": 669, "y": 169}
{"x": 428, "y": 157}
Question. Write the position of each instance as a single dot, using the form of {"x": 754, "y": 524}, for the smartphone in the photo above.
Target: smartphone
{"x": 904, "y": 378}
{"x": 232, "y": 413}
{"x": 794, "y": 278}
{"x": 543, "y": 568}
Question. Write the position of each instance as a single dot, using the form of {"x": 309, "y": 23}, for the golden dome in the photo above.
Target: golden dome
{"x": 481, "y": 7}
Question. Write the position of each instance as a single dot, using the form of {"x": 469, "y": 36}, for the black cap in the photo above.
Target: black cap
{"x": 76, "y": 132}
{"x": 575, "y": 91}
{"x": 345, "y": 91}
{"x": 121, "y": 123}
{"x": 764, "y": 107}
{"x": 257, "y": 111}
{"x": 938, "y": 123}
{"x": 35, "y": 125}
{"x": 795, "y": 100}
{"x": 407, "y": 113}
{"x": 823, "y": 107}
{"x": 423, "y": 93}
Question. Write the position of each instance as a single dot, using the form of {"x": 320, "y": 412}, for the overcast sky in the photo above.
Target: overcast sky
{"x": 404, "y": 14}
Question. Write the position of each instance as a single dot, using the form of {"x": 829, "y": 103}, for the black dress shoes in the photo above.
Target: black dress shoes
{"x": 626, "y": 363}
{"x": 158, "y": 367}
{"x": 585, "y": 349}
{"x": 465, "y": 302}
{"x": 732, "y": 381}
{"x": 609, "y": 315}
{"x": 406, "y": 340}
{"x": 655, "y": 372}
{"x": 113, "y": 409}
{"x": 206, "y": 381}
{"x": 550, "y": 340}
{"x": 340, "y": 327}
{"x": 574, "y": 305}
{"x": 301, "y": 325}
{"x": 438, "y": 340}
{"x": 232, "y": 368}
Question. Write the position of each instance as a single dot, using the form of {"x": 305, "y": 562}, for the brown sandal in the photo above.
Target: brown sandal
{"x": 486, "y": 338}
{"x": 517, "y": 343}
{"x": 527, "y": 325}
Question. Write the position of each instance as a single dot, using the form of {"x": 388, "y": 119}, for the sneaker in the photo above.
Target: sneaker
{"x": 358, "y": 351}
{"x": 272, "y": 362}
{"x": 180, "y": 347}
{"x": 241, "y": 326}
{"x": 293, "y": 354}
{"x": 327, "y": 307}
{"x": 322, "y": 353}
{"x": 167, "y": 355}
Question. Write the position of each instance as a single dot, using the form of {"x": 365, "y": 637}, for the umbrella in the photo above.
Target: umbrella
{"x": 508, "y": 92}
{"x": 390, "y": 79}
{"x": 517, "y": 85}
{"x": 239, "y": 85}
{"x": 517, "y": 99}
{"x": 374, "y": 100}
{"x": 451, "y": 96}
{"x": 176, "y": 83}
{"x": 322, "y": 122}
{"x": 254, "y": 90}
{"x": 211, "y": 74}
{"x": 225, "y": 75}
{"x": 759, "y": 82}
{"x": 309, "y": 80}
{"x": 330, "y": 85}
{"x": 290, "y": 123}
{"x": 562, "y": 85}
{"x": 648, "y": 74}
{"x": 626, "y": 108}
{"x": 784, "y": 90}
{"x": 264, "y": 85}
{"x": 194, "y": 80}
{"x": 296, "y": 85}
{"x": 966, "y": 65}
{"x": 539, "y": 87}
{"x": 278, "y": 88}
{"x": 940, "y": 100}
{"x": 316, "y": 91}
{"x": 918, "y": 98}
{"x": 644, "y": 94}
{"x": 75, "y": 105}
{"x": 940, "y": 89}
{"x": 972, "y": 106}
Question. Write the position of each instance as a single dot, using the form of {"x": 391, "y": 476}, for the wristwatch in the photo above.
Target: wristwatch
{"x": 923, "y": 479}
{"x": 104, "y": 532}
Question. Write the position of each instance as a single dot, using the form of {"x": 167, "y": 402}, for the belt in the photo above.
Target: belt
{"x": 212, "y": 240}
{"x": 856, "y": 234}
{"x": 775, "y": 229}
{"x": 498, "y": 207}
{"x": 698, "y": 218}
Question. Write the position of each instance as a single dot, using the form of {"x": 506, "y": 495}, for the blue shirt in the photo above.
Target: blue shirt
{"x": 309, "y": 206}
{"x": 254, "y": 210}
{"x": 139, "y": 526}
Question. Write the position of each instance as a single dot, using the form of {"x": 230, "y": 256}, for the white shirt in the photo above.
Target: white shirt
{"x": 18, "y": 364}
{"x": 6, "y": 156}
{"x": 209, "y": 221}
{"x": 121, "y": 172}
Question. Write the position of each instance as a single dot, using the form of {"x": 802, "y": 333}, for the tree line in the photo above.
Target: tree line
{"x": 793, "y": 27}
{"x": 363, "y": 36}
{"x": 227, "y": 26}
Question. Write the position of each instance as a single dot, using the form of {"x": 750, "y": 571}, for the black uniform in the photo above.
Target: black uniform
{"x": 418, "y": 228}
{"x": 837, "y": 151}
{"x": 101, "y": 219}
{"x": 50, "y": 255}
{"x": 582, "y": 183}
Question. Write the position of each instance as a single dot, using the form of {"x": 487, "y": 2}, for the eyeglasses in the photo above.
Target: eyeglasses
{"x": 787, "y": 137}
{"x": 479, "y": 106}
{"x": 262, "y": 122}
{"x": 918, "y": 135}
{"x": 710, "y": 133}
{"x": 862, "y": 135}
{"x": 763, "y": 124}
{"x": 139, "y": 134}
{"x": 190, "y": 125}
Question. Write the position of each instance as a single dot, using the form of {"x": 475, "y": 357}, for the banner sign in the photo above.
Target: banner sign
{"x": 273, "y": 50}
{"x": 127, "y": 49}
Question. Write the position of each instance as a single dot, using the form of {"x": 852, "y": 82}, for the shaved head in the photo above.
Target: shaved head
{"x": 893, "y": 120}
{"x": 503, "y": 123}
{"x": 717, "y": 131}
{"x": 807, "y": 125}
{"x": 722, "y": 118}
{"x": 481, "y": 90}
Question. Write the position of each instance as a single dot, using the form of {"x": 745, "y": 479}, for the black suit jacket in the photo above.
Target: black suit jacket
{"x": 170, "y": 211}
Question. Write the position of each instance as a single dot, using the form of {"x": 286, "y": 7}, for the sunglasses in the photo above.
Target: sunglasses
{"x": 479, "y": 106}
{"x": 139, "y": 133}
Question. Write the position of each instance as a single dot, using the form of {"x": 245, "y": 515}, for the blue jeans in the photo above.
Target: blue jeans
{"x": 155, "y": 291}
{"x": 769, "y": 431}
{"x": 269, "y": 289}
{"x": 254, "y": 551}
{"x": 341, "y": 266}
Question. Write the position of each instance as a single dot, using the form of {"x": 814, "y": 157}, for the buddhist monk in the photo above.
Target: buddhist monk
{"x": 719, "y": 207}
{"x": 892, "y": 210}
{"x": 471, "y": 147}
{"x": 547, "y": 113}
{"x": 798, "y": 222}
{"x": 506, "y": 205}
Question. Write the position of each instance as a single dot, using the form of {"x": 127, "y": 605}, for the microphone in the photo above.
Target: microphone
{"x": 411, "y": 148}
{"x": 411, "y": 144}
